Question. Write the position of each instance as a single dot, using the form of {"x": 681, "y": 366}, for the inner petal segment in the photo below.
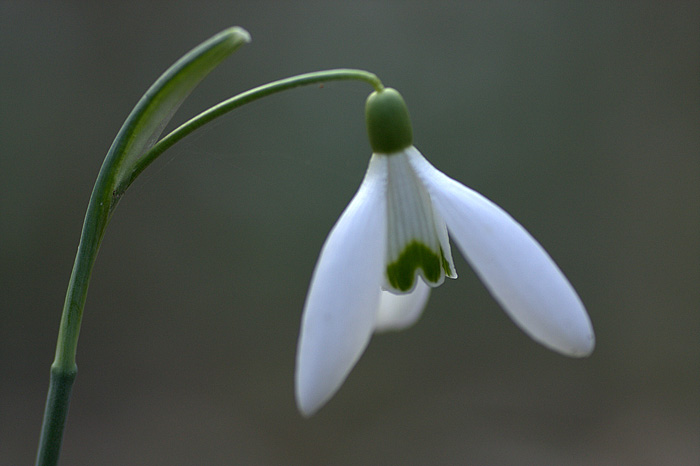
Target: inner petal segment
{"x": 415, "y": 244}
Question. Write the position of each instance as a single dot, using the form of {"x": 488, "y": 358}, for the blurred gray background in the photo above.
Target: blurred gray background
{"x": 582, "y": 119}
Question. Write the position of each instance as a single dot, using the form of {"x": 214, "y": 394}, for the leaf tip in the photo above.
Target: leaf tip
{"x": 238, "y": 35}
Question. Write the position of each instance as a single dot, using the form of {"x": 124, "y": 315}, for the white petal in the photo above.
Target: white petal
{"x": 344, "y": 295}
{"x": 399, "y": 311}
{"x": 517, "y": 271}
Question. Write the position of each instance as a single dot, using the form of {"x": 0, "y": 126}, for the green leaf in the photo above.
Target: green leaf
{"x": 152, "y": 113}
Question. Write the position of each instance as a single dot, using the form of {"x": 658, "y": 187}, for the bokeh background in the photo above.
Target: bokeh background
{"x": 582, "y": 119}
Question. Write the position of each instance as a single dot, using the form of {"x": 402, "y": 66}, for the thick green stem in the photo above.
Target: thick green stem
{"x": 55, "y": 415}
{"x": 115, "y": 176}
{"x": 64, "y": 368}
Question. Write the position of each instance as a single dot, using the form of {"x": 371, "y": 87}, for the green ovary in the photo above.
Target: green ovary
{"x": 402, "y": 272}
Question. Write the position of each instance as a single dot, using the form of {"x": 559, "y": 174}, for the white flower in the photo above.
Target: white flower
{"x": 390, "y": 246}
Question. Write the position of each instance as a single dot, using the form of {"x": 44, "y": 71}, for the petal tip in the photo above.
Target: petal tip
{"x": 586, "y": 349}
{"x": 313, "y": 386}
{"x": 581, "y": 348}
{"x": 312, "y": 395}
{"x": 306, "y": 407}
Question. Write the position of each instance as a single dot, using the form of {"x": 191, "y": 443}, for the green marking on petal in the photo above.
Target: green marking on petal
{"x": 402, "y": 272}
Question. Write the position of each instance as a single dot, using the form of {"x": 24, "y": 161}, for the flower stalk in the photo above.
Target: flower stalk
{"x": 134, "y": 149}
{"x": 250, "y": 96}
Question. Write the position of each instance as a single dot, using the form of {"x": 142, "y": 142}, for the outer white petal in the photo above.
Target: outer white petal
{"x": 399, "y": 311}
{"x": 517, "y": 271}
{"x": 344, "y": 295}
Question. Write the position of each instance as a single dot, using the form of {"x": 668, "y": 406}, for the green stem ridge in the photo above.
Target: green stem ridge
{"x": 134, "y": 149}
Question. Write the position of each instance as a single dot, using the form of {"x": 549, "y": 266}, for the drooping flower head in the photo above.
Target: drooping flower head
{"x": 390, "y": 247}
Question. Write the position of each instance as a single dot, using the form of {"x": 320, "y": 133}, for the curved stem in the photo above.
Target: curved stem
{"x": 244, "y": 98}
{"x": 112, "y": 182}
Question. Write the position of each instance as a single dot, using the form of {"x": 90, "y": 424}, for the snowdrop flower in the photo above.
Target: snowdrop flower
{"x": 390, "y": 246}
